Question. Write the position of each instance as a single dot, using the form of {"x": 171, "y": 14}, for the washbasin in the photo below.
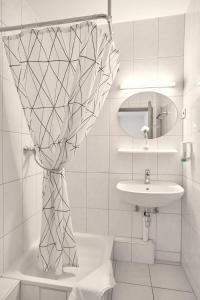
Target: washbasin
{"x": 154, "y": 194}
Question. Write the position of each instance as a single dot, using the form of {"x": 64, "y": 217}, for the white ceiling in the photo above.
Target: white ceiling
{"x": 122, "y": 10}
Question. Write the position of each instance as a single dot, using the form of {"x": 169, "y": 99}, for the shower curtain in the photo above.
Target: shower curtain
{"x": 63, "y": 76}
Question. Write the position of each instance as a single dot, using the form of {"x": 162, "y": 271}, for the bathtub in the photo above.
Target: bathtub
{"x": 93, "y": 251}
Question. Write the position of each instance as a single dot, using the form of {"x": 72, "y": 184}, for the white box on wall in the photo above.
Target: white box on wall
{"x": 143, "y": 252}
{"x": 135, "y": 250}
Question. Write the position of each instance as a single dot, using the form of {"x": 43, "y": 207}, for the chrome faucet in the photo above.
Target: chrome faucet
{"x": 147, "y": 176}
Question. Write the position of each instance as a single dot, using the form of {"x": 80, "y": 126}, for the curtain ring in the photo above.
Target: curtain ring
{"x": 57, "y": 171}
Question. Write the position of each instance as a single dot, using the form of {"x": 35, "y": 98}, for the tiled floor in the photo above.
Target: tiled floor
{"x": 151, "y": 282}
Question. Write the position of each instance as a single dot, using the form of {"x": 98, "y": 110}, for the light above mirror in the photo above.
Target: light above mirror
{"x": 132, "y": 84}
{"x": 147, "y": 115}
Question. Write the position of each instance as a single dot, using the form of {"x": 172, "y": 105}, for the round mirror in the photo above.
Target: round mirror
{"x": 147, "y": 114}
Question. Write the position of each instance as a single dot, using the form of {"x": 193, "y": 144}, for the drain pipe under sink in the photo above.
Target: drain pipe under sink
{"x": 146, "y": 225}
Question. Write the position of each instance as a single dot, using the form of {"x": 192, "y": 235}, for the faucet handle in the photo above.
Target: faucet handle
{"x": 147, "y": 172}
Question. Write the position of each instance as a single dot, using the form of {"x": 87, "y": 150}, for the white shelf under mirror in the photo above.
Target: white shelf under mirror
{"x": 142, "y": 151}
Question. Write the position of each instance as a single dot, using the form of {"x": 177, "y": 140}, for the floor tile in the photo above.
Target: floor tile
{"x": 169, "y": 276}
{"x": 132, "y": 273}
{"x": 123, "y": 291}
{"x": 164, "y": 294}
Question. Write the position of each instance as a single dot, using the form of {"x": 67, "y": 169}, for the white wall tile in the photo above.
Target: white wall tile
{"x": 11, "y": 254}
{"x": 78, "y": 215}
{"x": 169, "y": 223}
{"x": 190, "y": 254}
{"x": 120, "y": 162}
{"x": 145, "y": 70}
{"x": 11, "y": 108}
{"x": 145, "y": 161}
{"x": 24, "y": 125}
{"x": 120, "y": 223}
{"x": 97, "y": 190}
{"x": 31, "y": 231}
{"x": 137, "y": 225}
{"x": 1, "y": 158}
{"x": 76, "y": 183}
{"x": 167, "y": 177}
{"x": 123, "y": 37}
{"x": 6, "y": 72}
{"x": 146, "y": 38}
{"x": 168, "y": 256}
{"x": 171, "y": 69}
{"x": 170, "y": 164}
{"x": 12, "y": 205}
{"x": 175, "y": 207}
{"x": 118, "y": 200}
{"x": 171, "y": 36}
{"x": 125, "y": 72}
{"x": 1, "y": 256}
{"x": 97, "y": 153}
{"x": 39, "y": 186}
{"x": 29, "y": 197}
{"x": 1, "y": 211}
{"x": 97, "y": 221}
{"x": 12, "y": 156}
{"x": 28, "y": 15}
{"x": 195, "y": 159}
{"x": 11, "y": 12}
{"x": 101, "y": 126}
{"x": 1, "y": 84}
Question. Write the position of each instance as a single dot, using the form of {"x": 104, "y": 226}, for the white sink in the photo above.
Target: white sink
{"x": 155, "y": 194}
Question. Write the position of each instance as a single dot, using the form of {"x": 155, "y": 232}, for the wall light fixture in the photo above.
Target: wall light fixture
{"x": 132, "y": 84}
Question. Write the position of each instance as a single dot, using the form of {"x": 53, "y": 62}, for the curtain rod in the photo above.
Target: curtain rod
{"x": 58, "y": 22}
{"x": 107, "y": 17}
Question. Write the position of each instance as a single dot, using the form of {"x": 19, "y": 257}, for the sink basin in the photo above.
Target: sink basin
{"x": 155, "y": 194}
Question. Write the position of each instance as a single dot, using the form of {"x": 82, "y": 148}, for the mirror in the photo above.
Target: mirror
{"x": 147, "y": 113}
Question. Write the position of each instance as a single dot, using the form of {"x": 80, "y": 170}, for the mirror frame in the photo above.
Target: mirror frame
{"x": 146, "y": 109}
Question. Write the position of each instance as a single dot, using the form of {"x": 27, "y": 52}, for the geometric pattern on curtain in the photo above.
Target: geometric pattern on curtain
{"x": 63, "y": 76}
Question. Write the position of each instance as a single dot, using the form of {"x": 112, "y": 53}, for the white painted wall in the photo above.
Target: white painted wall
{"x": 191, "y": 170}
{"x": 122, "y": 11}
{"x": 20, "y": 178}
{"x": 149, "y": 49}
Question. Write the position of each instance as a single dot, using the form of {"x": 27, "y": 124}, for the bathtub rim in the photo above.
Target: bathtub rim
{"x": 14, "y": 271}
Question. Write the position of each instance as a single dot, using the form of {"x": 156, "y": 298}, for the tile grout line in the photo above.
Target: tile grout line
{"x": 151, "y": 281}
{"x": 168, "y": 289}
{"x": 157, "y": 287}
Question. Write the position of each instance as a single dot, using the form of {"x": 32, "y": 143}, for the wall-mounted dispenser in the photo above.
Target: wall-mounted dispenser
{"x": 186, "y": 151}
